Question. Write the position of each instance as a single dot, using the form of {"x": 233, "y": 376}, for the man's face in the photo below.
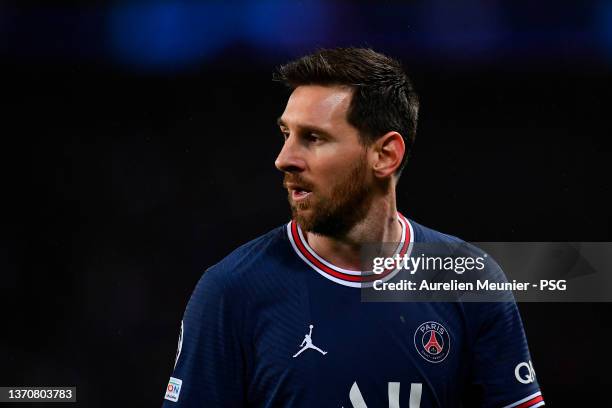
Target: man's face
{"x": 325, "y": 164}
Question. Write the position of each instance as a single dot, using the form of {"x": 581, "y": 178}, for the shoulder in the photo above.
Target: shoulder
{"x": 432, "y": 241}
{"x": 225, "y": 285}
{"x": 427, "y": 235}
{"x": 249, "y": 258}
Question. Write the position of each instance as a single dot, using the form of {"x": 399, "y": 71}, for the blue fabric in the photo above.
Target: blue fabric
{"x": 250, "y": 314}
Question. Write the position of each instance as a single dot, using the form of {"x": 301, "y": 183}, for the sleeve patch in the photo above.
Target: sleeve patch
{"x": 173, "y": 389}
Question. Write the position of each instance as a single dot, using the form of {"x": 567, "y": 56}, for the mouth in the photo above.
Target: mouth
{"x": 298, "y": 190}
{"x": 299, "y": 194}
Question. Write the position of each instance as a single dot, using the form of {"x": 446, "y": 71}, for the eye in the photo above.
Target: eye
{"x": 312, "y": 137}
{"x": 284, "y": 134}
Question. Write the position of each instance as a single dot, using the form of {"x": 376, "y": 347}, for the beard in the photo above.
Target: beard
{"x": 336, "y": 214}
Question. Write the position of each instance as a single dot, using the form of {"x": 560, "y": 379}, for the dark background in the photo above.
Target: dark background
{"x": 138, "y": 141}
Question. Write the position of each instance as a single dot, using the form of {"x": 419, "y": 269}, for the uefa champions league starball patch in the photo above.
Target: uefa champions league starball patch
{"x": 432, "y": 341}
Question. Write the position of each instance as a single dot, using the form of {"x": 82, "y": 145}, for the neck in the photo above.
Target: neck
{"x": 379, "y": 225}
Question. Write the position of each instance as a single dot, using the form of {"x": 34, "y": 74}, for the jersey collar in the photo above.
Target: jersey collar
{"x": 347, "y": 277}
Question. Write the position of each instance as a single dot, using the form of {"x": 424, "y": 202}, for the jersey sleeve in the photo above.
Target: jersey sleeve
{"x": 210, "y": 364}
{"x": 502, "y": 368}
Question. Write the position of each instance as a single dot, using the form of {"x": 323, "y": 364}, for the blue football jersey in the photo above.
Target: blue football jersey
{"x": 276, "y": 325}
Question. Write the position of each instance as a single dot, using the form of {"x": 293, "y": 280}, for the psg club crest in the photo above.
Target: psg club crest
{"x": 432, "y": 341}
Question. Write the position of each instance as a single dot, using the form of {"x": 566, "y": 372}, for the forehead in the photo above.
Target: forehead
{"x": 317, "y": 105}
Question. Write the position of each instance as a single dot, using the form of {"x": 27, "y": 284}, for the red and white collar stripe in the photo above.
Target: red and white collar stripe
{"x": 347, "y": 277}
{"x": 532, "y": 401}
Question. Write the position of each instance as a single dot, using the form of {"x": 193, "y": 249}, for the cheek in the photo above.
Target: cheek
{"x": 332, "y": 165}
{"x": 330, "y": 175}
{"x": 335, "y": 180}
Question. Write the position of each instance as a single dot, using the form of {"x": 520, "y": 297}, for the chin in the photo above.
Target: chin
{"x": 304, "y": 219}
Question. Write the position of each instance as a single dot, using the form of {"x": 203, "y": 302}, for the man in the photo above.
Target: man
{"x": 348, "y": 127}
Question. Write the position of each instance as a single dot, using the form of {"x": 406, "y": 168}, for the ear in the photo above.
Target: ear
{"x": 388, "y": 152}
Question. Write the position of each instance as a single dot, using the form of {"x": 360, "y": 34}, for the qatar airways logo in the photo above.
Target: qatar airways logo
{"x": 524, "y": 372}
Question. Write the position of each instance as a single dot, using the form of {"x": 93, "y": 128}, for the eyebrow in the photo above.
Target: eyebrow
{"x": 309, "y": 128}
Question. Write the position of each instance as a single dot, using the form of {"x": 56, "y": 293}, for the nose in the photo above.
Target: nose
{"x": 290, "y": 159}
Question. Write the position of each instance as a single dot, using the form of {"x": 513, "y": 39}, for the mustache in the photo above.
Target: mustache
{"x": 297, "y": 180}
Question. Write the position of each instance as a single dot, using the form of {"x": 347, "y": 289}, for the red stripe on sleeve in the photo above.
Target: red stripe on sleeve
{"x": 531, "y": 402}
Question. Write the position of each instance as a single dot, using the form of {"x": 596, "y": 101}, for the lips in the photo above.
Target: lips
{"x": 299, "y": 194}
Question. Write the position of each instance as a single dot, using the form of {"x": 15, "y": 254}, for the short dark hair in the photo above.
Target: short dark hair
{"x": 383, "y": 98}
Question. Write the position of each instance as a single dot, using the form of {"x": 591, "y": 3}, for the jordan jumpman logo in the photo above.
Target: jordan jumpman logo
{"x": 307, "y": 343}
